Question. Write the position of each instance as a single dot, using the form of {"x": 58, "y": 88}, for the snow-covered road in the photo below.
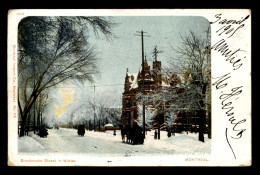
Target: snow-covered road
{"x": 66, "y": 141}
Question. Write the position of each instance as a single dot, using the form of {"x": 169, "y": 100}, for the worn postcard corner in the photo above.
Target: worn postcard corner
{"x": 122, "y": 87}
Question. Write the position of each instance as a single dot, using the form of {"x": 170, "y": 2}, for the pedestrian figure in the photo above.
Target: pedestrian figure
{"x": 169, "y": 133}
{"x": 26, "y": 130}
{"x": 114, "y": 133}
{"x": 123, "y": 134}
{"x": 155, "y": 134}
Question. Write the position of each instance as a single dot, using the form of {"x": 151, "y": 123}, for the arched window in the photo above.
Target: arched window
{"x": 128, "y": 104}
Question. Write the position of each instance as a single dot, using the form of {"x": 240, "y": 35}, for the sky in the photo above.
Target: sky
{"x": 124, "y": 51}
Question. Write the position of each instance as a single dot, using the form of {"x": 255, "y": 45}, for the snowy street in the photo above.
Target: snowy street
{"x": 67, "y": 141}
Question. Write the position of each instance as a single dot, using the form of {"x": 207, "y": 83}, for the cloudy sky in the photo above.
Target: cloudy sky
{"x": 124, "y": 51}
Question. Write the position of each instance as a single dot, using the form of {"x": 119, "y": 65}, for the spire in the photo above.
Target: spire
{"x": 126, "y": 71}
{"x": 127, "y": 84}
{"x": 145, "y": 64}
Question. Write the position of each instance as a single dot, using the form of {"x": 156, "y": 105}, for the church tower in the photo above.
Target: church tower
{"x": 157, "y": 69}
{"x": 157, "y": 74}
{"x": 147, "y": 80}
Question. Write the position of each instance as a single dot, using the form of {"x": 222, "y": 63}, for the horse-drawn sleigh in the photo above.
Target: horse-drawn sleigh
{"x": 132, "y": 135}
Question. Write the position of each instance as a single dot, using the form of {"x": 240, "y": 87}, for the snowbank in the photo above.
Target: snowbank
{"x": 106, "y": 144}
{"x": 189, "y": 144}
{"x": 109, "y": 124}
{"x": 29, "y": 144}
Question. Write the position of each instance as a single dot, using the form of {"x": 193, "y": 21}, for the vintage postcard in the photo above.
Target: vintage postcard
{"x": 121, "y": 87}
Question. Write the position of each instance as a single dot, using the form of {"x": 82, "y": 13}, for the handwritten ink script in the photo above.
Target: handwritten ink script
{"x": 234, "y": 57}
{"x": 230, "y": 55}
{"x": 229, "y": 26}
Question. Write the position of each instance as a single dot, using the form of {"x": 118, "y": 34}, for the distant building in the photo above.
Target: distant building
{"x": 109, "y": 126}
{"x": 154, "y": 79}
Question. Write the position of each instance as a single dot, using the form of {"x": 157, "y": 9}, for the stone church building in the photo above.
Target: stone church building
{"x": 154, "y": 79}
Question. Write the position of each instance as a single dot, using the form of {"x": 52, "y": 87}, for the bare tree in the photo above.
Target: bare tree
{"x": 52, "y": 50}
{"x": 155, "y": 102}
{"x": 193, "y": 65}
{"x": 88, "y": 108}
{"x": 189, "y": 74}
{"x": 150, "y": 114}
{"x": 41, "y": 105}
